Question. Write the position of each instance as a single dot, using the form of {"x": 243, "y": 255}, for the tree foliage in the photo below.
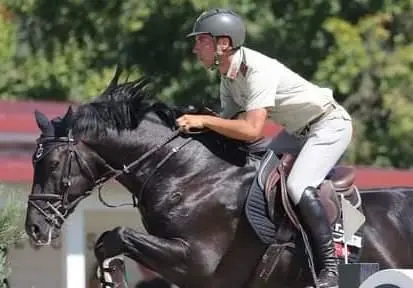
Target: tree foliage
{"x": 67, "y": 50}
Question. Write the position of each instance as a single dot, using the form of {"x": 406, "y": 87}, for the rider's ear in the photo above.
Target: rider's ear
{"x": 223, "y": 45}
{"x": 43, "y": 123}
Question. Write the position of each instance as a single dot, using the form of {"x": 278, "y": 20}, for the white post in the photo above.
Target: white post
{"x": 74, "y": 251}
{"x": 344, "y": 238}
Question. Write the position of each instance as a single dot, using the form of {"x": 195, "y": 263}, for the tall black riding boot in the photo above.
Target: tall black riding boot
{"x": 317, "y": 226}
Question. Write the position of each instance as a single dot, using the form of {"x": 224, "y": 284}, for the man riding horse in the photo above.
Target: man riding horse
{"x": 317, "y": 129}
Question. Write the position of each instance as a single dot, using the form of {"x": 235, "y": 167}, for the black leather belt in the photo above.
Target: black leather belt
{"x": 304, "y": 131}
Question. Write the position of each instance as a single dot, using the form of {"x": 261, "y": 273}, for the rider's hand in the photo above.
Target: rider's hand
{"x": 187, "y": 122}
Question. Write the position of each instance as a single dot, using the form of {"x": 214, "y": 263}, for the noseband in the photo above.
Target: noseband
{"x": 58, "y": 205}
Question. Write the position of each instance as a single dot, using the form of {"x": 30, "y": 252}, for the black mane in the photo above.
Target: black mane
{"x": 120, "y": 107}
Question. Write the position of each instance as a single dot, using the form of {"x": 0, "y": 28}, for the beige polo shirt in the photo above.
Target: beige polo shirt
{"x": 255, "y": 80}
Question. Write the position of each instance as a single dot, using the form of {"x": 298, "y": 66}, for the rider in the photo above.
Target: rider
{"x": 317, "y": 129}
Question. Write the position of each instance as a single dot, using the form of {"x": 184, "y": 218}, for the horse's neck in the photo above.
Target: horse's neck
{"x": 121, "y": 148}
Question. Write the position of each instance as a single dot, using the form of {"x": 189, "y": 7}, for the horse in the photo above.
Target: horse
{"x": 191, "y": 191}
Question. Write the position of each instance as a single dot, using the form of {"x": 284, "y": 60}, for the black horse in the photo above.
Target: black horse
{"x": 190, "y": 191}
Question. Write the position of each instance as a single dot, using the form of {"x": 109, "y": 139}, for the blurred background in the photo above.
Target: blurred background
{"x": 57, "y": 53}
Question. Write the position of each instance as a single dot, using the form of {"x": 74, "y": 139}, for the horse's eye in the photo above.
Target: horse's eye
{"x": 53, "y": 164}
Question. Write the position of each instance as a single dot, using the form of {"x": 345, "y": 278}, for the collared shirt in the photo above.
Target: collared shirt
{"x": 255, "y": 81}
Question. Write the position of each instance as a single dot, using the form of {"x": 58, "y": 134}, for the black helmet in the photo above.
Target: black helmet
{"x": 221, "y": 22}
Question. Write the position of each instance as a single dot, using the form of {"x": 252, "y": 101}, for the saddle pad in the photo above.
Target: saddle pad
{"x": 257, "y": 215}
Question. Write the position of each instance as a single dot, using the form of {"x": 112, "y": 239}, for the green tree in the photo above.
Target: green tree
{"x": 370, "y": 67}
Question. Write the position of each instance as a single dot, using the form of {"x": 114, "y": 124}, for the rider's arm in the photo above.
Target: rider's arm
{"x": 260, "y": 91}
{"x": 249, "y": 127}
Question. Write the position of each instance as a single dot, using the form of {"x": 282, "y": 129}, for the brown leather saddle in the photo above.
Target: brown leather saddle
{"x": 340, "y": 181}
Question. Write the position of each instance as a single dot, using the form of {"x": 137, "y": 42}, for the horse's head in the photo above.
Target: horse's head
{"x": 63, "y": 175}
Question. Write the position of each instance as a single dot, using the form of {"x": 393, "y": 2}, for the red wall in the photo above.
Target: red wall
{"x": 17, "y": 117}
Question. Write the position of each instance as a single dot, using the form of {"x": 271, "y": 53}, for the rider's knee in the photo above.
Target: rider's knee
{"x": 295, "y": 189}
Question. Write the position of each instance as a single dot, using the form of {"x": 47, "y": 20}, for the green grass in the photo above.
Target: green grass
{"x": 11, "y": 231}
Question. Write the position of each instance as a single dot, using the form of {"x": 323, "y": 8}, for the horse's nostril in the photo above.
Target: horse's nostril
{"x": 35, "y": 230}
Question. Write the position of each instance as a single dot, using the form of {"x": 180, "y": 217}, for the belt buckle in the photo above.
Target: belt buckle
{"x": 304, "y": 131}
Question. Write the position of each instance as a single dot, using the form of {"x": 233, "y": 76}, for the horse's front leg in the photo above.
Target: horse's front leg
{"x": 168, "y": 257}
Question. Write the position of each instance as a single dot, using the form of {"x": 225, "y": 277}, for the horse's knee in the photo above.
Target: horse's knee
{"x": 110, "y": 243}
{"x": 117, "y": 231}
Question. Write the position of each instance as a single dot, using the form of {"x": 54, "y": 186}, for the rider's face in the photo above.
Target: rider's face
{"x": 204, "y": 49}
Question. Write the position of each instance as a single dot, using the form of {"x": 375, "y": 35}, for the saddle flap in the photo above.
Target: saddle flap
{"x": 269, "y": 163}
{"x": 272, "y": 179}
{"x": 330, "y": 201}
{"x": 330, "y": 198}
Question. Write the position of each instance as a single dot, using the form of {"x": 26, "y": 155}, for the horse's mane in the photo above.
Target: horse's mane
{"x": 122, "y": 106}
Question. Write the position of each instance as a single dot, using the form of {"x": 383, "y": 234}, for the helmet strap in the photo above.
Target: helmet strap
{"x": 217, "y": 56}
{"x": 217, "y": 61}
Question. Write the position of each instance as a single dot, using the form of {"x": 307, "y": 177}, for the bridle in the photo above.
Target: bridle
{"x": 58, "y": 205}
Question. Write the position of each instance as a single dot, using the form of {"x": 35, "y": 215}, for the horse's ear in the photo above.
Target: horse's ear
{"x": 43, "y": 123}
{"x": 67, "y": 119}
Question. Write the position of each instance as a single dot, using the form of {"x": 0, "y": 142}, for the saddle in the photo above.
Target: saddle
{"x": 340, "y": 181}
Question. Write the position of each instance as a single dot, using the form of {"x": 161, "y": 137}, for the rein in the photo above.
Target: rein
{"x": 114, "y": 173}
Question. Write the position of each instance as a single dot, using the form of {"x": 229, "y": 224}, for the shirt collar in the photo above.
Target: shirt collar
{"x": 235, "y": 64}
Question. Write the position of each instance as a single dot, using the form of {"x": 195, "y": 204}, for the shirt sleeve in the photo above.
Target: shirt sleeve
{"x": 228, "y": 106}
{"x": 261, "y": 90}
